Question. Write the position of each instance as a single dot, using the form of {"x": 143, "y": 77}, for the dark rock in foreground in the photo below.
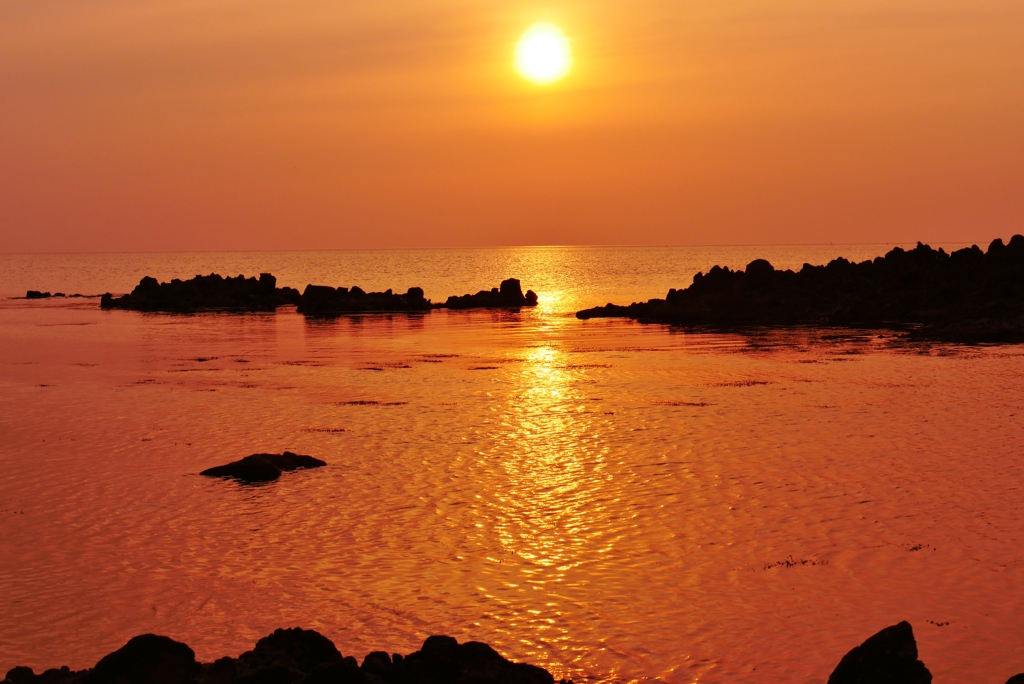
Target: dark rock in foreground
{"x": 320, "y": 300}
{"x": 889, "y": 657}
{"x": 965, "y": 296}
{"x": 294, "y": 656}
{"x": 204, "y": 293}
{"x": 508, "y": 296}
{"x": 1016, "y": 679}
{"x": 263, "y": 467}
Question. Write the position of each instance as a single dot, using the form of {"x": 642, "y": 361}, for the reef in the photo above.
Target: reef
{"x": 263, "y": 467}
{"x": 964, "y": 296}
{"x": 321, "y": 300}
{"x": 294, "y": 656}
{"x": 508, "y": 296}
{"x": 204, "y": 293}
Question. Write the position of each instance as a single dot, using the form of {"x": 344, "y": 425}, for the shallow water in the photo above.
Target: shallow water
{"x": 612, "y": 501}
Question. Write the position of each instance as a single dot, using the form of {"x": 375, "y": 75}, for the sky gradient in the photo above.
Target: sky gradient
{"x": 323, "y": 124}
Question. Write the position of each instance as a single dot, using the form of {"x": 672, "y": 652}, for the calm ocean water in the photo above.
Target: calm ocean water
{"x": 612, "y": 501}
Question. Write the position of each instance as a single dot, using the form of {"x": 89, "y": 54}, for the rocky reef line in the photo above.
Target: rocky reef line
{"x": 300, "y": 656}
{"x": 217, "y": 293}
{"x": 965, "y": 296}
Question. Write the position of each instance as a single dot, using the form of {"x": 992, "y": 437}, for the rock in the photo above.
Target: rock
{"x": 204, "y": 293}
{"x": 263, "y": 467}
{"x": 296, "y": 656}
{"x": 1016, "y": 679}
{"x": 320, "y": 300}
{"x": 36, "y": 294}
{"x": 442, "y": 660}
{"x": 20, "y": 675}
{"x": 287, "y": 655}
{"x": 147, "y": 658}
{"x": 966, "y": 296}
{"x": 888, "y": 657}
{"x": 509, "y": 295}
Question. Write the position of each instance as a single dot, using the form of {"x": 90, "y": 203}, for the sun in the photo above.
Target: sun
{"x": 543, "y": 54}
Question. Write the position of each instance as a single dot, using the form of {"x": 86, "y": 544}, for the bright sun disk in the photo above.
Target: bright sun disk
{"x": 543, "y": 54}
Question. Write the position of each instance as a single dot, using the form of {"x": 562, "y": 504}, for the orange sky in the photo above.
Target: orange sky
{"x": 271, "y": 124}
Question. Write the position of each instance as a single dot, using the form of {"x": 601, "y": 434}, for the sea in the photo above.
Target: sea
{"x": 613, "y": 501}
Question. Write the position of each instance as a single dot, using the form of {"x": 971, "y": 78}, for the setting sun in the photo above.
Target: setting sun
{"x": 543, "y": 54}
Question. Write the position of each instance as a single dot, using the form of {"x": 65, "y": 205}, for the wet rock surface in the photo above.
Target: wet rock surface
{"x": 320, "y": 300}
{"x": 508, "y": 296}
{"x": 204, "y": 293}
{"x": 263, "y": 467}
{"x": 964, "y": 296}
{"x": 888, "y": 657}
{"x": 294, "y": 656}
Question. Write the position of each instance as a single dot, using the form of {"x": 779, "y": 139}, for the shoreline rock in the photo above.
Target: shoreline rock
{"x": 259, "y": 468}
{"x": 294, "y": 656}
{"x": 204, "y": 293}
{"x": 508, "y": 296}
{"x": 888, "y": 656}
{"x": 967, "y": 296}
{"x": 321, "y": 300}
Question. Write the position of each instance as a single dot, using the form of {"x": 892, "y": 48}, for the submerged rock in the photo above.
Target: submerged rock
{"x": 965, "y": 296}
{"x": 509, "y": 295}
{"x": 295, "y": 656}
{"x": 321, "y": 300}
{"x": 263, "y": 467}
{"x": 204, "y": 293}
{"x": 888, "y": 657}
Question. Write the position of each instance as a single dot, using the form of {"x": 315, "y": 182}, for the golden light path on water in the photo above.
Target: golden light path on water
{"x": 612, "y": 501}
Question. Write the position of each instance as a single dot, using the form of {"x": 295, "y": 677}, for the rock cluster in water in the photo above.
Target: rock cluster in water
{"x": 321, "y": 300}
{"x": 216, "y": 293}
{"x": 294, "y": 656}
{"x": 965, "y": 296}
{"x": 300, "y": 656}
{"x": 508, "y": 295}
{"x": 36, "y": 294}
{"x": 204, "y": 293}
{"x": 263, "y": 467}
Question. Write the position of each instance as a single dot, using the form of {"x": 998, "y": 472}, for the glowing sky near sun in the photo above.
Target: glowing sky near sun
{"x": 223, "y": 124}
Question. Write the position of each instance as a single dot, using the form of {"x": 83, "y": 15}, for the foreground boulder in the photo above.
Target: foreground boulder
{"x": 294, "y": 656}
{"x": 321, "y": 300}
{"x": 508, "y": 296}
{"x": 889, "y": 657}
{"x": 263, "y": 467}
{"x": 204, "y": 293}
{"x": 965, "y": 296}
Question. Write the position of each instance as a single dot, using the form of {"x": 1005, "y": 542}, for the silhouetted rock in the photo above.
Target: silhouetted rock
{"x": 965, "y": 296}
{"x": 295, "y": 656}
{"x": 147, "y": 658}
{"x": 204, "y": 293}
{"x": 889, "y": 657}
{"x": 1016, "y": 679}
{"x": 509, "y": 295}
{"x": 320, "y": 300}
{"x": 36, "y": 294}
{"x": 263, "y": 467}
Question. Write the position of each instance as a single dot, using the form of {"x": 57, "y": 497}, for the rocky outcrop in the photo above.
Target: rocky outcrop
{"x": 508, "y": 296}
{"x": 965, "y": 296}
{"x": 321, "y": 300}
{"x": 204, "y": 293}
{"x": 36, "y": 294}
{"x": 1016, "y": 679}
{"x": 263, "y": 467}
{"x": 294, "y": 656}
{"x": 889, "y": 657}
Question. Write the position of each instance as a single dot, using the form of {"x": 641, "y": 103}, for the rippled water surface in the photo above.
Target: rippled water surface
{"x": 613, "y": 501}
